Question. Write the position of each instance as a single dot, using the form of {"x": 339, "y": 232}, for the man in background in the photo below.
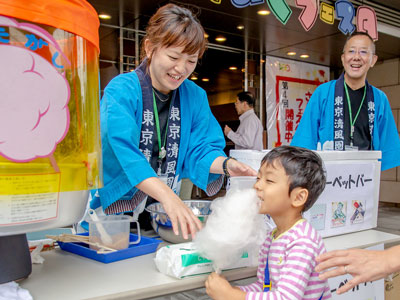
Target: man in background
{"x": 349, "y": 113}
{"x": 249, "y": 134}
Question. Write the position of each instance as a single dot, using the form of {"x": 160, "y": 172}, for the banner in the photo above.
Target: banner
{"x": 289, "y": 86}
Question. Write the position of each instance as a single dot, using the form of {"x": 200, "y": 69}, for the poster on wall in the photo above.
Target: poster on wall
{"x": 289, "y": 86}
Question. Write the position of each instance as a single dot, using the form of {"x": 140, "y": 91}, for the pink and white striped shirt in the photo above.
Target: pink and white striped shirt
{"x": 291, "y": 262}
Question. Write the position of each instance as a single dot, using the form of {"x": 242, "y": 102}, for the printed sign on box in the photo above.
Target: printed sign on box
{"x": 348, "y": 202}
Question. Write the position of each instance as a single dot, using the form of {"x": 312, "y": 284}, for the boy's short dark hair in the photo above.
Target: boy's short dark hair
{"x": 303, "y": 167}
{"x": 246, "y": 97}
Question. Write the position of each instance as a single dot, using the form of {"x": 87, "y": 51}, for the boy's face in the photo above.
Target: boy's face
{"x": 272, "y": 188}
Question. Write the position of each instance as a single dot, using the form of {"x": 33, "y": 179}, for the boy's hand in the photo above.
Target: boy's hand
{"x": 218, "y": 288}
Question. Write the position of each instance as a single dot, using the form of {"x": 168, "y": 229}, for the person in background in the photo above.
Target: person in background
{"x": 289, "y": 182}
{"x": 157, "y": 127}
{"x": 249, "y": 134}
{"x": 349, "y": 113}
{"x": 363, "y": 265}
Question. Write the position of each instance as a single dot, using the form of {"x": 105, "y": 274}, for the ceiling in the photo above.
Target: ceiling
{"x": 262, "y": 34}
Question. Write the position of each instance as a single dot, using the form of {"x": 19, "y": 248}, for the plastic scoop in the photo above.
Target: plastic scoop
{"x": 104, "y": 236}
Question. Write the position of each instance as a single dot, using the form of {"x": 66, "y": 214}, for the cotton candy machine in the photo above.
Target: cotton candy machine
{"x": 50, "y": 151}
{"x": 163, "y": 226}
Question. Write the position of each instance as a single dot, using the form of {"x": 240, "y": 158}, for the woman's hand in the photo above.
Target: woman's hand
{"x": 181, "y": 216}
{"x": 218, "y": 288}
{"x": 363, "y": 265}
{"x": 237, "y": 168}
{"x": 178, "y": 212}
{"x": 234, "y": 167}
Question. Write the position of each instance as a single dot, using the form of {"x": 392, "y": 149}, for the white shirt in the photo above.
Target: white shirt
{"x": 249, "y": 134}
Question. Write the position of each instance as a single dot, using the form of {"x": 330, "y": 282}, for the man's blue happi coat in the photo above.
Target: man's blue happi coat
{"x": 316, "y": 131}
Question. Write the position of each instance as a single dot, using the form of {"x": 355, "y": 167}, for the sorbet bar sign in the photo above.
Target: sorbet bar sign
{"x": 343, "y": 9}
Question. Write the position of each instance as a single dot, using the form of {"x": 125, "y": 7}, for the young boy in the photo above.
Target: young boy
{"x": 289, "y": 182}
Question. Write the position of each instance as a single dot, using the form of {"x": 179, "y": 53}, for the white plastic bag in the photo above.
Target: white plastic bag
{"x": 181, "y": 260}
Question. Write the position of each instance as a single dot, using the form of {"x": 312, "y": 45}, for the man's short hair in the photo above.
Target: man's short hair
{"x": 303, "y": 167}
{"x": 246, "y": 97}
{"x": 360, "y": 33}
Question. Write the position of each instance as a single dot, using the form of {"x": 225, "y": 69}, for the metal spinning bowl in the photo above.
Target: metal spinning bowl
{"x": 163, "y": 226}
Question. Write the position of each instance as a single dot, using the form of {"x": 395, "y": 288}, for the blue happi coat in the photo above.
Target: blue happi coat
{"x": 124, "y": 165}
{"x": 316, "y": 131}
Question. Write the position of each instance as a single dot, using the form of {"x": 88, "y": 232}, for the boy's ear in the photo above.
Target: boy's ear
{"x": 299, "y": 197}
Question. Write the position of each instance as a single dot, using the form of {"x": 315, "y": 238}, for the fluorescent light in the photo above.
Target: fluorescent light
{"x": 304, "y": 56}
{"x": 233, "y": 68}
{"x": 240, "y": 27}
{"x": 220, "y": 38}
{"x": 291, "y": 53}
{"x": 205, "y": 79}
{"x": 263, "y": 12}
{"x": 194, "y": 77}
{"x": 104, "y": 16}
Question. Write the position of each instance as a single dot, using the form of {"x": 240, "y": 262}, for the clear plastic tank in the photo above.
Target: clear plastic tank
{"x": 50, "y": 150}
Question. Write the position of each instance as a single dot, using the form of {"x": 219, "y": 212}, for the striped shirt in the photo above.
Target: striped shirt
{"x": 291, "y": 261}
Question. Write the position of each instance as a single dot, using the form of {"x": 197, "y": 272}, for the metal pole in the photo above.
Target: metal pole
{"x": 121, "y": 38}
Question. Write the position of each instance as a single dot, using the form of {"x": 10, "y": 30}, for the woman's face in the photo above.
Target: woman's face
{"x": 169, "y": 67}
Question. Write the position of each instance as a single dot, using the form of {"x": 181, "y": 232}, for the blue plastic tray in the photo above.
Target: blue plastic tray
{"x": 146, "y": 245}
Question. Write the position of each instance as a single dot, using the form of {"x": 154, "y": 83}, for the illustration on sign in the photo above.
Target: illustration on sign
{"x": 34, "y": 94}
{"x": 317, "y": 216}
{"x": 339, "y": 213}
{"x": 357, "y": 215}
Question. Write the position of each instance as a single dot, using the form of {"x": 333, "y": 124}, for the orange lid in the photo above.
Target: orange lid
{"x": 76, "y": 16}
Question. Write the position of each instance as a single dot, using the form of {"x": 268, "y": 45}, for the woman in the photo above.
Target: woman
{"x": 157, "y": 127}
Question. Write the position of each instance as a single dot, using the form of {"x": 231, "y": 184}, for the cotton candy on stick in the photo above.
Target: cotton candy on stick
{"x": 233, "y": 226}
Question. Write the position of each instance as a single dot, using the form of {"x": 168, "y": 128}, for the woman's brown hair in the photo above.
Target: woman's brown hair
{"x": 173, "y": 25}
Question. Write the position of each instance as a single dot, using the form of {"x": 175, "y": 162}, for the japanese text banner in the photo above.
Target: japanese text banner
{"x": 289, "y": 86}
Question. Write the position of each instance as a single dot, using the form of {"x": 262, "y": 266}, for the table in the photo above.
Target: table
{"x": 68, "y": 276}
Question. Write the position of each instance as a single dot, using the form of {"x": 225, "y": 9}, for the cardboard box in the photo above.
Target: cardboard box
{"x": 350, "y": 200}
{"x": 392, "y": 288}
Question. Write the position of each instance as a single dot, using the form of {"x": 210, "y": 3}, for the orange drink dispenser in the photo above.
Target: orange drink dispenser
{"x": 50, "y": 149}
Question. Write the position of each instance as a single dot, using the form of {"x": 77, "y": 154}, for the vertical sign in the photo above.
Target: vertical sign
{"x": 289, "y": 86}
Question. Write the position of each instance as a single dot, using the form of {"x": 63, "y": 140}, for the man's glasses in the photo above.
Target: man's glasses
{"x": 362, "y": 52}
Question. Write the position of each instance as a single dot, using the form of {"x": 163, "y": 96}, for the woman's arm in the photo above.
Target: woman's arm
{"x": 180, "y": 214}
{"x": 363, "y": 265}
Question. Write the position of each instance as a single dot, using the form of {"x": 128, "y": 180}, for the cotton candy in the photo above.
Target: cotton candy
{"x": 233, "y": 227}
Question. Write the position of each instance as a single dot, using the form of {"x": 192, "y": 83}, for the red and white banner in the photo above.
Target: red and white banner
{"x": 289, "y": 86}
